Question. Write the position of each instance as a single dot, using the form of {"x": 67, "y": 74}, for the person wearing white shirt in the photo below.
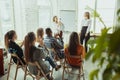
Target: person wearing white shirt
{"x": 58, "y": 25}
{"x": 85, "y": 29}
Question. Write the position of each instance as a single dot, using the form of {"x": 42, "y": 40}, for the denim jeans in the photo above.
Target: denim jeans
{"x": 51, "y": 62}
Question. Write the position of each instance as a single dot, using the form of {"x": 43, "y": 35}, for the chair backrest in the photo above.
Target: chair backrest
{"x": 18, "y": 59}
{"x": 70, "y": 58}
{"x": 74, "y": 56}
{"x": 40, "y": 71}
{"x": 34, "y": 64}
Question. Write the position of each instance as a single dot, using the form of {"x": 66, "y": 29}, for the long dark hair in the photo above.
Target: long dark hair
{"x": 29, "y": 39}
{"x": 48, "y": 32}
{"x": 8, "y": 36}
{"x": 73, "y": 43}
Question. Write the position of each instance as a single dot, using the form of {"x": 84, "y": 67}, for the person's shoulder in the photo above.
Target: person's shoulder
{"x": 37, "y": 50}
{"x": 66, "y": 46}
{"x": 80, "y": 46}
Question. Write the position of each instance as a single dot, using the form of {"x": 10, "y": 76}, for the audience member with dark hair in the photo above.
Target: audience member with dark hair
{"x": 52, "y": 43}
{"x": 74, "y": 48}
{"x": 40, "y": 33}
{"x": 12, "y": 47}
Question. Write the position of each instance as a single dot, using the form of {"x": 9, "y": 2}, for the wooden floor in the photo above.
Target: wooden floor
{"x": 57, "y": 75}
{"x": 88, "y": 66}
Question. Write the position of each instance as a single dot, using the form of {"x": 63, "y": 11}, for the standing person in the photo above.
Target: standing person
{"x": 74, "y": 48}
{"x": 12, "y": 47}
{"x": 85, "y": 31}
{"x": 58, "y": 25}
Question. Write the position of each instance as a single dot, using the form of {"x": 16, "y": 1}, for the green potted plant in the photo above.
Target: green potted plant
{"x": 105, "y": 50}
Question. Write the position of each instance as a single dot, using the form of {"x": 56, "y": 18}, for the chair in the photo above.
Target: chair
{"x": 67, "y": 67}
{"x": 17, "y": 65}
{"x": 50, "y": 48}
{"x": 40, "y": 71}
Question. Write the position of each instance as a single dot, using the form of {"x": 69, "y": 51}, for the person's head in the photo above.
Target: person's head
{"x": 73, "y": 43}
{"x": 87, "y": 15}
{"x": 40, "y": 32}
{"x": 10, "y": 35}
{"x": 48, "y": 32}
{"x": 29, "y": 42}
{"x": 55, "y": 19}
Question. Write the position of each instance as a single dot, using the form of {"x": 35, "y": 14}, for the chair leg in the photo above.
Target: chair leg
{"x": 83, "y": 73}
{"x": 52, "y": 72}
{"x": 79, "y": 76}
{"x": 25, "y": 72}
{"x": 16, "y": 71}
{"x": 63, "y": 74}
{"x": 9, "y": 68}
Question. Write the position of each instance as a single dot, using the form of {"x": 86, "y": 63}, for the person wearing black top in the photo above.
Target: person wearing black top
{"x": 12, "y": 47}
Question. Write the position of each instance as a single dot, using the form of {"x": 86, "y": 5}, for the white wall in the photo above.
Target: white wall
{"x": 116, "y": 17}
{"x": 67, "y": 5}
{"x": 26, "y": 14}
{"x": 54, "y": 7}
{"x": 18, "y": 18}
{"x": 0, "y": 27}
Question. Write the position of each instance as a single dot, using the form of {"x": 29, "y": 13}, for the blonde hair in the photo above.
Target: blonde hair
{"x": 87, "y": 14}
{"x": 54, "y": 18}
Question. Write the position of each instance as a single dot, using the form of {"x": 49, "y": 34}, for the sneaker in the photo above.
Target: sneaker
{"x": 58, "y": 67}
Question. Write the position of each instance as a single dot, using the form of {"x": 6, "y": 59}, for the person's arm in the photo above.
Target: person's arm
{"x": 81, "y": 25}
{"x": 56, "y": 44}
{"x": 61, "y": 26}
{"x": 38, "y": 54}
{"x": 89, "y": 26}
{"x": 83, "y": 52}
{"x": 18, "y": 49}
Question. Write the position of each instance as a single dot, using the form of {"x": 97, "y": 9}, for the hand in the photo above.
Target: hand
{"x": 86, "y": 34}
{"x": 22, "y": 44}
{"x": 56, "y": 35}
{"x": 41, "y": 42}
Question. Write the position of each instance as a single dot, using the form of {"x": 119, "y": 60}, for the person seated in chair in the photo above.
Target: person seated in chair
{"x": 74, "y": 48}
{"x": 12, "y": 47}
{"x": 40, "y": 45}
{"x": 52, "y": 43}
{"x": 34, "y": 54}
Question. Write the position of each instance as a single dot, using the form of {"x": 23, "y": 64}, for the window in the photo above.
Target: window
{"x": 44, "y": 13}
{"x": 6, "y": 15}
{"x": 106, "y": 12}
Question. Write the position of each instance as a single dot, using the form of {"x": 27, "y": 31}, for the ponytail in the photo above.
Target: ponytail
{"x": 8, "y": 36}
{"x": 6, "y": 40}
{"x": 27, "y": 48}
{"x": 29, "y": 39}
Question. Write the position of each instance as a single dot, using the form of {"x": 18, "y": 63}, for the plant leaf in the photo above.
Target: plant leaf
{"x": 116, "y": 77}
{"x": 94, "y": 74}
